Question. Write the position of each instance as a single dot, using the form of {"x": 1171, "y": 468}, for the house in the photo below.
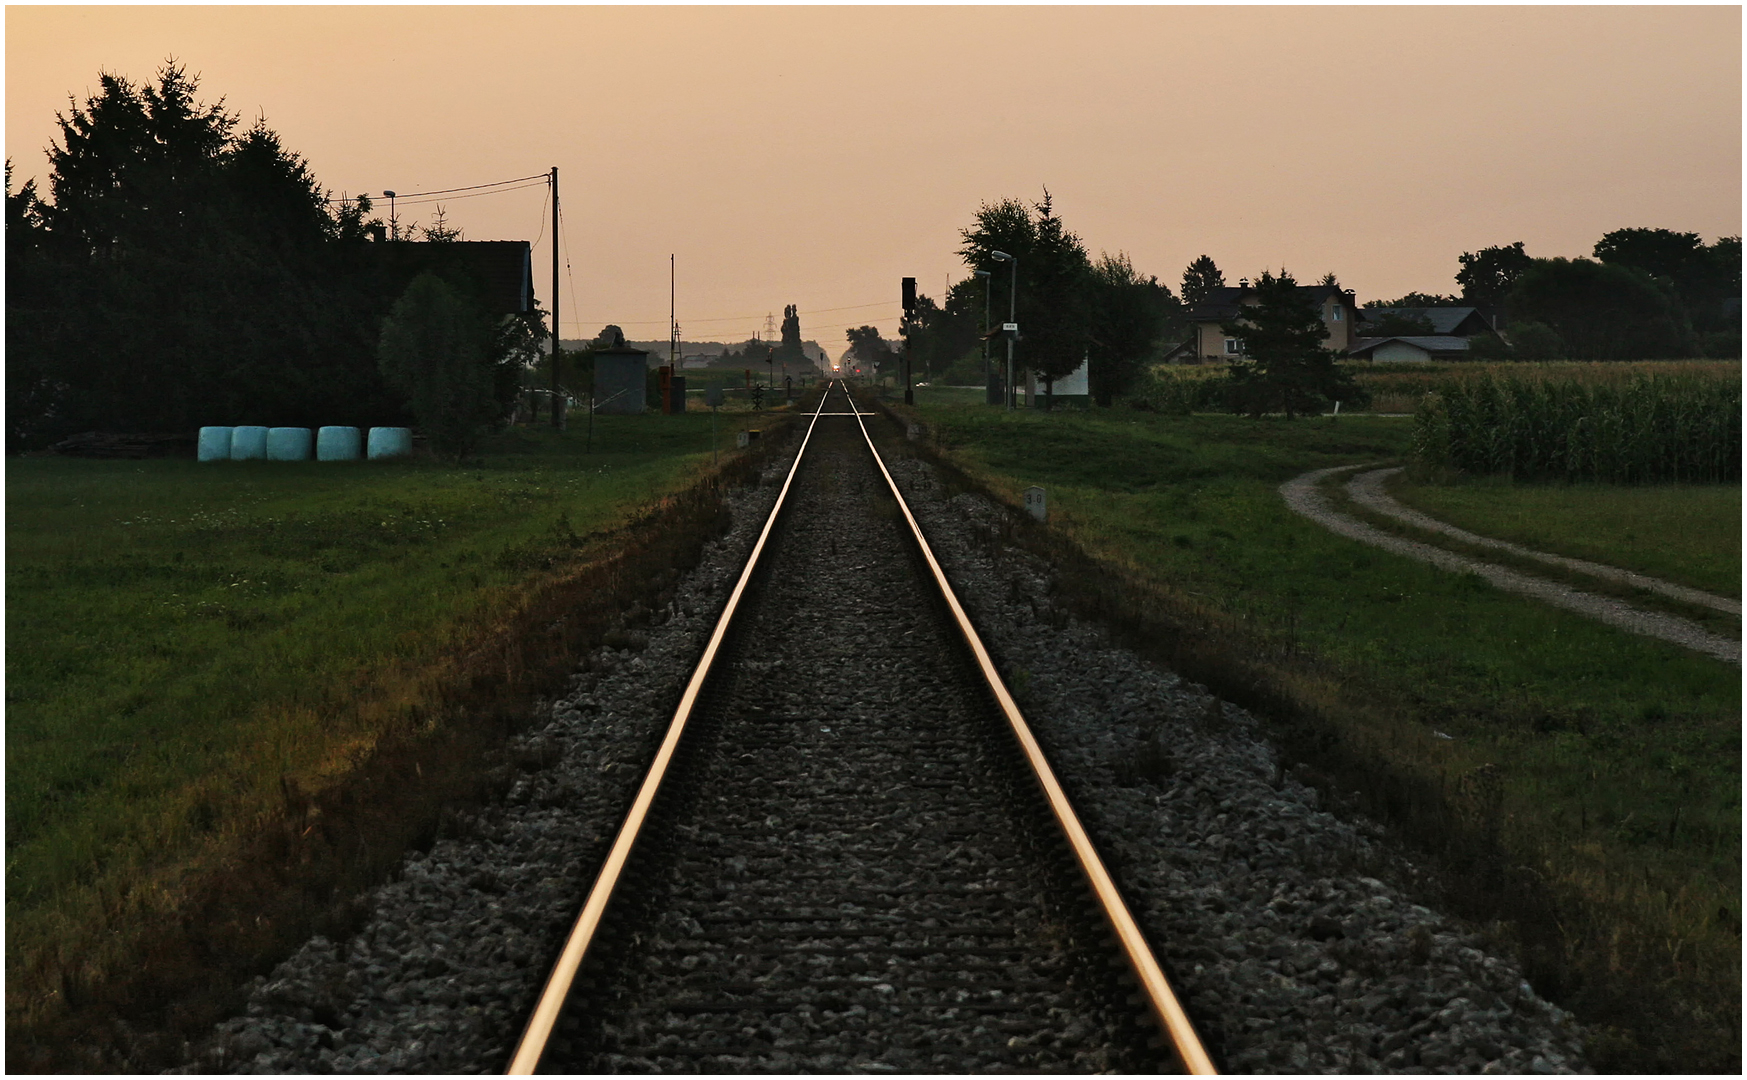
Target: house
{"x": 1410, "y": 349}
{"x": 1451, "y": 330}
{"x": 1340, "y": 314}
{"x": 1445, "y": 321}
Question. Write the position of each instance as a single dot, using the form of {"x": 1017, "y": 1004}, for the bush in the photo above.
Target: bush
{"x": 1648, "y": 430}
{"x": 967, "y": 370}
{"x": 1489, "y": 347}
{"x": 1172, "y": 394}
{"x": 1720, "y": 345}
{"x": 1536, "y": 341}
{"x": 435, "y": 347}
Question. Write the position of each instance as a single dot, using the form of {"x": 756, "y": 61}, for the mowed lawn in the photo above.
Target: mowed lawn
{"x": 1618, "y": 755}
{"x": 180, "y": 635}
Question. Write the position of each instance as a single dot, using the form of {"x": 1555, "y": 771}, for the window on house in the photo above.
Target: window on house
{"x": 1231, "y": 346}
{"x": 1337, "y": 313}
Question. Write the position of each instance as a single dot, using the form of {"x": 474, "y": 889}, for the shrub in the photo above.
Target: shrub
{"x": 1536, "y": 341}
{"x": 435, "y": 347}
{"x": 1173, "y": 394}
{"x": 1648, "y": 430}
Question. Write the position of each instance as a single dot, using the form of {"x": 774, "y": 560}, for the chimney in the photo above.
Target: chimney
{"x": 1243, "y": 282}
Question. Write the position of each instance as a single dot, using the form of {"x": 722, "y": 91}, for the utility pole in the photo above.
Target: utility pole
{"x": 672, "y": 317}
{"x": 909, "y": 293}
{"x": 557, "y": 401}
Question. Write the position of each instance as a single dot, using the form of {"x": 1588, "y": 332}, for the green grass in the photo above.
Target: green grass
{"x": 1686, "y": 533}
{"x": 1619, "y": 754}
{"x": 181, "y": 635}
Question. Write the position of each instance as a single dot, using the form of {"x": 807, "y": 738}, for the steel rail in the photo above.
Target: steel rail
{"x": 557, "y": 990}
{"x": 1173, "y": 1021}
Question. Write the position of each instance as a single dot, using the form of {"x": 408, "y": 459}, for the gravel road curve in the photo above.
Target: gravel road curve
{"x": 1304, "y": 497}
{"x": 1367, "y": 490}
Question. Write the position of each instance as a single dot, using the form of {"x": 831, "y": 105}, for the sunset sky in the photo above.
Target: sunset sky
{"x": 815, "y": 155}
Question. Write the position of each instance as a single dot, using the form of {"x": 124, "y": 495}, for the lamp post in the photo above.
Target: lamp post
{"x": 393, "y": 228}
{"x": 1012, "y": 317}
{"x": 988, "y": 376}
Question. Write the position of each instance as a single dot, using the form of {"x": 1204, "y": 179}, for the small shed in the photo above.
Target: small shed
{"x": 621, "y": 379}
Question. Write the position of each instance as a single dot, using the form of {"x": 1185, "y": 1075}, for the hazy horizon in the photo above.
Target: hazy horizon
{"x": 815, "y": 155}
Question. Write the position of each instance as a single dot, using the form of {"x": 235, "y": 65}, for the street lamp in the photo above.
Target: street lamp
{"x": 988, "y": 376}
{"x": 1011, "y": 330}
{"x": 393, "y": 229}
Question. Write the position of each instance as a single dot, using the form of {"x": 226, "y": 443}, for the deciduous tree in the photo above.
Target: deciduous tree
{"x": 1054, "y": 273}
{"x": 1129, "y": 315}
{"x": 1488, "y": 274}
{"x": 869, "y": 351}
{"x": 1600, "y": 311}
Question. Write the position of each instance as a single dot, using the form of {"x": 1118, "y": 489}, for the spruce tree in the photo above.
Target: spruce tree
{"x": 1284, "y": 366}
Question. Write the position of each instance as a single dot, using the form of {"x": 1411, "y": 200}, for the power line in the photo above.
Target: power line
{"x": 759, "y": 318}
{"x": 477, "y": 188}
{"x": 541, "y": 177}
{"x": 412, "y": 201}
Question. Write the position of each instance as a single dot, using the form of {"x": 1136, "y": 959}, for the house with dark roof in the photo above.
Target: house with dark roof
{"x": 1410, "y": 349}
{"x": 1445, "y": 321}
{"x": 1451, "y": 330}
{"x": 1340, "y": 314}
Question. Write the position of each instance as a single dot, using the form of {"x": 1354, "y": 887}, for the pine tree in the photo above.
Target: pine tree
{"x": 1284, "y": 367}
{"x": 1200, "y": 278}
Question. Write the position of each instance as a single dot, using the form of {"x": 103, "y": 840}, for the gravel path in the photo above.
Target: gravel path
{"x": 1304, "y": 497}
{"x": 1367, "y": 490}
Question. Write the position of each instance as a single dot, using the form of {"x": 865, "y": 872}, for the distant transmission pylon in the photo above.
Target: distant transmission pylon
{"x": 770, "y": 328}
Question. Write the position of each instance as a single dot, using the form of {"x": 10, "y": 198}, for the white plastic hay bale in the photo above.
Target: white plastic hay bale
{"x": 248, "y": 443}
{"x": 390, "y": 442}
{"x": 215, "y": 444}
{"x": 288, "y": 444}
{"x": 338, "y": 444}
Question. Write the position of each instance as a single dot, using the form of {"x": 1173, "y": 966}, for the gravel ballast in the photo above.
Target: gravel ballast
{"x": 1290, "y": 956}
{"x": 1271, "y": 913}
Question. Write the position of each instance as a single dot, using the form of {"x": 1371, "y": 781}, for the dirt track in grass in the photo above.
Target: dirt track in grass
{"x": 1303, "y": 495}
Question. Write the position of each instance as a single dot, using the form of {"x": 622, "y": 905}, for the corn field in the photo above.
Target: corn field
{"x": 1646, "y": 430}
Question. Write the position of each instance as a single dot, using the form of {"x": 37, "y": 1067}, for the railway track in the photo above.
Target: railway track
{"x": 849, "y": 854}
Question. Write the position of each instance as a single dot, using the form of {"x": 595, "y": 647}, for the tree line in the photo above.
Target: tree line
{"x": 1070, "y": 307}
{"x": 183, "y": 270}
{"x": 1646, "y": 294}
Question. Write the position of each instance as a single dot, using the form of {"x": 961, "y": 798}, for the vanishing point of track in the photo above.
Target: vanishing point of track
{"x": 849, "y": 853}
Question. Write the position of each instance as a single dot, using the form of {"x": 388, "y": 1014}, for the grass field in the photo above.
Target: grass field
{"x": 1688, "y": 534}
{"x": 1613, "y": 760}
{"x": 186, "y": 639}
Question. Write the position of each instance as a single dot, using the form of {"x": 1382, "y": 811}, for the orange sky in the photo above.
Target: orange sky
{"x": 814, "y": 155}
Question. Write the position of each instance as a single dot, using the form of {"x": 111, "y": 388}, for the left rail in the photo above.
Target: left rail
{"x": 558, "y": 984}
